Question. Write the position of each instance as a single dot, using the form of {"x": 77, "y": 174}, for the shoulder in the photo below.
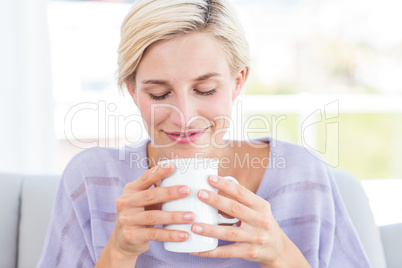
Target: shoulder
{"x": 294, "y": 168}
{"x": 292, "y": 157}
{"x": 299, "y": 185}
{"x": 123, "y": 163}
{"x": 93, "y": 157}
{"x": 295, "y": 158}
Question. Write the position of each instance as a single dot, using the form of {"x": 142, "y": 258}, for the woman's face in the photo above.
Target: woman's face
{"x": 184, "y": 90}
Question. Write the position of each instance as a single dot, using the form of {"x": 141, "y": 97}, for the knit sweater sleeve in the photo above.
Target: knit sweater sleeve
{"x": 346, "y": 248}
{"x": 308, "y": 207}
{"x": 68, "y": 241}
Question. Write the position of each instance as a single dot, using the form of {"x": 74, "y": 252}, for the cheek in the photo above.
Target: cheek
{"x": 153, "y": 116}
{"x": 221, "y": 105}
{"x": 220, "y": 111}
{"x": 145, "y": 119}
{"x": 145, "y": 111}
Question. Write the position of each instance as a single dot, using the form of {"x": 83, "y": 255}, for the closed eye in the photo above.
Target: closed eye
{"x": 164, "y": 96}
{"x": 158, "y": 97}
{"x": 206, "y": 93}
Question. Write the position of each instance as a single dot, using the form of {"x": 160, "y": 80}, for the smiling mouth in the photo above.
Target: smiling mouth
{"x": 185, "y": 137}
{"x": 186, "y": 133}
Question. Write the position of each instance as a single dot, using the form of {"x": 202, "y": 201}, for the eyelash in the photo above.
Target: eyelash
{"x": 161, "y": 97}
{"x": 207, "y": 93}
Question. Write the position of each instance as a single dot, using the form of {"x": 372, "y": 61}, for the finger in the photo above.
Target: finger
{"x": 150, "y": 177}
{"x": 155, "y": 234}
{"x": 229, "y": 251}
{"x": 221, "y": 232}
{"x": 238, "y": 192}
{"x": 156, "y": 217}
{"x": 158, "y": 195}
{"x": 229, "y": 206}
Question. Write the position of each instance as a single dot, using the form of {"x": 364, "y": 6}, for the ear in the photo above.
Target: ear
{"x": 131, "y": 89}
{"x": 240, "y": 79}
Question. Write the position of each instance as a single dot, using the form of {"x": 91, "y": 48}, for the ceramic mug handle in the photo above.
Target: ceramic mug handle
{"x": 222, "y": 219}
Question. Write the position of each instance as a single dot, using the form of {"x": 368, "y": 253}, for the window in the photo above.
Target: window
{"x": 306, "y": 56}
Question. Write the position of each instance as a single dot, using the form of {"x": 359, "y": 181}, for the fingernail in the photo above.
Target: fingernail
{"x": 184, "y": 190}
{"x": 214, "y": 179}
{"x": 183, "y": 236}
{"x": 197, "y": 229}
{"x": 188, "y": 216}
{"x": 203, "y": 194}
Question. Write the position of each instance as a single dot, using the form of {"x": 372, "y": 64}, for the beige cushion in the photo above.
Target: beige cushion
{"x": 37, "y": 198}
{"x": 392, "y": 240}
{"x": 10, "y": 186}
{"x": 358, "y": 207}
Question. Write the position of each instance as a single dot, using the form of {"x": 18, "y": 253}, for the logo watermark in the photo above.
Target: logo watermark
{"x": 115, "y": 130}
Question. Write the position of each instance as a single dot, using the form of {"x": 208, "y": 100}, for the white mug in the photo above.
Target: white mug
{"x": 194, "y": 173}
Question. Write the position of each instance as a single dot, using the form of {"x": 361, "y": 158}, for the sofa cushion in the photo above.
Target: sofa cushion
{"x": 37, "y": 198}
{"x": 10, "y": 186}
{"x": 392, "y": 240}
{"x": 358, "y": 207}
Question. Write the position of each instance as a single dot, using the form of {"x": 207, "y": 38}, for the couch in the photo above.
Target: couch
{"x": 26, "y": 202}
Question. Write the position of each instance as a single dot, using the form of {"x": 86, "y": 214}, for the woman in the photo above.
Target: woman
{"x": 184, "y": 63}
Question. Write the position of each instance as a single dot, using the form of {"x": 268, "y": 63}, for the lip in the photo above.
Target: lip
{"x": 189, "y": 136}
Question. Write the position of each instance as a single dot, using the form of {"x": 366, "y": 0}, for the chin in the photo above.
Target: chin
{"x": 188, "y": 151}
{"x": 202, "y": 148}
{"x": 186, "y": 154}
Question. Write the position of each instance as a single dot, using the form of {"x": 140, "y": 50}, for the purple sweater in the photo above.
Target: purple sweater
{"x": 298, "y": 184}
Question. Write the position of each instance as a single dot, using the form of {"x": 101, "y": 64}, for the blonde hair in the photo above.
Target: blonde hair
{"x": 150, "y": 21}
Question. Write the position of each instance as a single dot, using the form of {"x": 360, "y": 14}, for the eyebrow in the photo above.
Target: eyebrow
{"x": 164, "y": 82}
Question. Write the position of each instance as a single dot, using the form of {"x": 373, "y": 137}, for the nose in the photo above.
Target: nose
{"x": 184, "y": 111}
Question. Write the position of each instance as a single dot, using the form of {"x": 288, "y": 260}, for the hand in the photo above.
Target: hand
{"x": 135, "y": 223}
{"x": 258, "y": 238}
